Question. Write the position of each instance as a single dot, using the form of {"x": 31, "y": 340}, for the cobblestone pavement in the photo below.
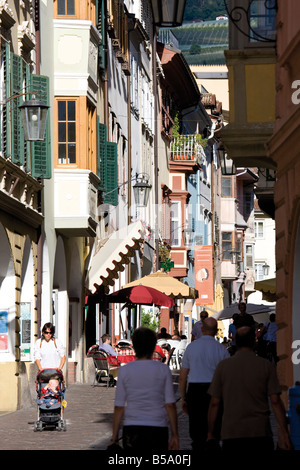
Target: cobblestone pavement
{"x": 88, "y": 416}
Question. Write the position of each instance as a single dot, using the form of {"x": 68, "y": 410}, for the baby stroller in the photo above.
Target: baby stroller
{"x": 50, "y": 415}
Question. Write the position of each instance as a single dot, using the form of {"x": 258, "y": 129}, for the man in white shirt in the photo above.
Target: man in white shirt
{"x": 197, "y": 368}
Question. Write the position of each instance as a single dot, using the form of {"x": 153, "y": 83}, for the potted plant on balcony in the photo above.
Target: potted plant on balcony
{"x": 185, "y": 147}
{"x": 164, "y": 251}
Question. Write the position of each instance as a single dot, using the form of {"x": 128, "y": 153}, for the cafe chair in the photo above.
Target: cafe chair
{"x": 104, "y": 364}
{"x": 158, "y": 357}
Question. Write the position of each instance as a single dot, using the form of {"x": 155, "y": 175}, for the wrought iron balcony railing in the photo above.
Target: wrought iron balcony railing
{"x": 187, "y": 148}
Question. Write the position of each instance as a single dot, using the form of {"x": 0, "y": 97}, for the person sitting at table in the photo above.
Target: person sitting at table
{"x": 161, "y": 352}
{"x": 106, "y": 345}
{"x": 163, "y": 334}
{"x": 176, "y": 335}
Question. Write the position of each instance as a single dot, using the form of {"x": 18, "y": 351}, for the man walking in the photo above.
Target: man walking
{"x": 243, "y": 384}
{"x": 243, "y": 318}
{"x": 197, "y": 328}
{"x": 197, "y": 368}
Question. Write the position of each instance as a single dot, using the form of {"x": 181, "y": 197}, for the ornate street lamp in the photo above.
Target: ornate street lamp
{"x": 168, "y": 13}
{"x": 266, "y": 268}
{"x": 141, "y": 190}
{"x": 227, "y": 165}
{"x": 34, "y": 119}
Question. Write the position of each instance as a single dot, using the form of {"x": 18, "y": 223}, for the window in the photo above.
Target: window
{"x": 66, "y": 110}
{"x": 226, "y": 246}
{"x": 259, "y": 229}
{"x": 262, "y": 20}
{"x": 249, "y": 256}
{"x": 134, "y": 84}
{"x": 66, "y": 7}
{"x": 226, "y": 186}
{"x": 165, "y": 220}
{"x": 91, "y": 134}
{"x": 176, "y": 223}
{"x": 248, "y": 204}
{"x": 259, "y": 271}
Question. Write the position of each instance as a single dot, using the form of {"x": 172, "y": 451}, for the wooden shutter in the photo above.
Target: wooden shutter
{"x": 41, "y": 151}
{"x": 101, "y": 152}
{"x": 107, "y": 165}
{"x": 111, "y": 174}
{"x": 101, "y": 28}
{"x": 6, "y": 130}
{"x": 16, "y": 88}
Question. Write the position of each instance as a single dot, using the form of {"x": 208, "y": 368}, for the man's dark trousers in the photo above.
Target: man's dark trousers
{"x": 198, "y": 400}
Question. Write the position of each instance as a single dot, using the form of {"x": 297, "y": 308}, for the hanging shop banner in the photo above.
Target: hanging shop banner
{"x": 204, "y": 279}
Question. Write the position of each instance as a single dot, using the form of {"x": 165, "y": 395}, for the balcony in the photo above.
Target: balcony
{"x": 76, "y": 44}
{"x": 75, "y": 202}
{"x": 187, "y": 148}
{"x": 187, "y": 153}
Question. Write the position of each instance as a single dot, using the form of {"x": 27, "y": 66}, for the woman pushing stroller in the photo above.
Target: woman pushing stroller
{"x": 49, "y": 352}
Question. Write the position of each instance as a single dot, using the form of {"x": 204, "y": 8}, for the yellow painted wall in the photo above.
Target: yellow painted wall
{"x": 9, "y": 389}
{"x": 260, "y": 92}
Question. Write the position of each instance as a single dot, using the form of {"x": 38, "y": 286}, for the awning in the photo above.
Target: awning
{"x": 111, "y": 257}
{"x": 268, "y": 289}
{"x": 166, "y": 284}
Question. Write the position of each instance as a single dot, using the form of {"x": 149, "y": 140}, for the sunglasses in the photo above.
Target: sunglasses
{"x": 47, "y": 333}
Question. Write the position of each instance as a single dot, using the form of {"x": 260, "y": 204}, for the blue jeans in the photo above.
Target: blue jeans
{"x": 47, "y": 401}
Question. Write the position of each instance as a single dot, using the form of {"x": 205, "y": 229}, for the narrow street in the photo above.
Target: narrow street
{"x": 88, "y": 416}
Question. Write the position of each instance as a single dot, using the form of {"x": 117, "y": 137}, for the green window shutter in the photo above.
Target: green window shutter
{"x": 101, "y": 28}
{"x": 6, "y": 131}
{"x": 16, "y": 88}
{"x": 111, "y": 174}
{"x": 101, "y": 152}
{"x": 40, "y": 164}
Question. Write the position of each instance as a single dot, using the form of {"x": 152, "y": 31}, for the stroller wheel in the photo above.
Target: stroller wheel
{"x": 61, "y": 426}
{"x": 38, "y": 426}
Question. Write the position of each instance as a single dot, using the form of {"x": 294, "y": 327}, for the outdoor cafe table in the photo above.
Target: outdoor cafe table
{"x": 125, "y": 355}
{"x": 128, "y": 355}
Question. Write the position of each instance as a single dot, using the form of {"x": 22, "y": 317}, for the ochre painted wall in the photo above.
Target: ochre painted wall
{"x": 260, "y": 92}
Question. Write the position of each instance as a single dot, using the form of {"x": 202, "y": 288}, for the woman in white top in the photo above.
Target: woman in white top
{"x": 49, "y": 352}
{"x": 145, "y": 399}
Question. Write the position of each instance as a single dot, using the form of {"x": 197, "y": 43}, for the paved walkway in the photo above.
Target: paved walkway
{"x": 88, "y": 416}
